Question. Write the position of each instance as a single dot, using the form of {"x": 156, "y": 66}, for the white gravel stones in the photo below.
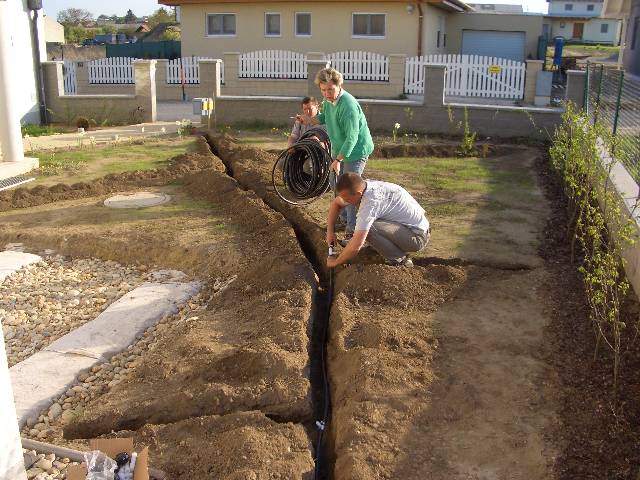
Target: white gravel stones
{"x": 45, "y": 300}
{"x": 42, "y": 466}
{"x": 101, "y": 378}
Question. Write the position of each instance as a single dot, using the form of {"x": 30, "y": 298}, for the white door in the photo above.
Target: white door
{"x": 494, "y": 44}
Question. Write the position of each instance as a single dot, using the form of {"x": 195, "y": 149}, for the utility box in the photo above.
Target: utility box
{"x": 202, "y": 106}
{"x": 543, "y": 89}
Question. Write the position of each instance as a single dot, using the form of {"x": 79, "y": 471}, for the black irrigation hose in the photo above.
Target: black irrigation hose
{"x": 290, "y": 164}
{"x": 322, "y": 424}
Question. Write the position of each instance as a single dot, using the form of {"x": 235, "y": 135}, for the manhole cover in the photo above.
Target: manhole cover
{"x": 137, "y": 200}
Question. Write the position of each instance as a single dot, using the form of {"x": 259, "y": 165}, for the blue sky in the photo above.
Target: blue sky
{"x": 145, "y": 7}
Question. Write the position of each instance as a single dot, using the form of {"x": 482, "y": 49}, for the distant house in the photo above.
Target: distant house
{"x": 581, "y": 21}
{"x": 382, "y": 26}
{"x": 53, "y": 31}
{"x": 496, "y": 8}
{"x": 628, "y": 11}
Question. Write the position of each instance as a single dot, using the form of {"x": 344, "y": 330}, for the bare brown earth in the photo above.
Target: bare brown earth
{"x": 436, "y": 372}
{"x": 456, "y": 369}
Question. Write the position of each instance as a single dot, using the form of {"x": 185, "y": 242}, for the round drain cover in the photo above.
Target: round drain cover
{"x": 137, "y": 200}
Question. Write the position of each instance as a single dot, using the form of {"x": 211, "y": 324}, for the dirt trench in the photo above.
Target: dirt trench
{"x": 437, "y": 372}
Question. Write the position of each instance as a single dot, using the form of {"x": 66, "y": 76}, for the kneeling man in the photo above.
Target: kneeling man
{"x": 388, "y": 218}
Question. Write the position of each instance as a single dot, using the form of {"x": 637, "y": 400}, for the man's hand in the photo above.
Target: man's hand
{"x": 335, "y": 166}
{"x": 331, "y": 238}
{"x": 332, "y": 262}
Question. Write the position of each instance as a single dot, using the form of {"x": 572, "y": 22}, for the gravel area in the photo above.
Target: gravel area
{"x": 42, "y": 466}
{"x": 46, "y": 300}
{"x": 48, "y": 426}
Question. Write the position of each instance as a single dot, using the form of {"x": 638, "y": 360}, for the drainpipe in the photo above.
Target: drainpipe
{"x": 420, "y": 22}
{"x": 36, "y": 5}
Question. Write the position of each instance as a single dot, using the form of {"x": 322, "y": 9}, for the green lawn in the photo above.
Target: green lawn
{"x": 88, "y": 163}
{"x": 40, "y": 130}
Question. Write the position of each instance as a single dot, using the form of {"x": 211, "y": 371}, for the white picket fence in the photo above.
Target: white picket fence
{"x": 70, "y": 80}
{"x": 470, "y": 76}
{"x": 273, "y": 64}
{"x": 361, "y": 66}
{"x": 111, "y": 70}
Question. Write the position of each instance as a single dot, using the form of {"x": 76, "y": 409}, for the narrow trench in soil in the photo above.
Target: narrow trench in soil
{"x": 320, "y": 312}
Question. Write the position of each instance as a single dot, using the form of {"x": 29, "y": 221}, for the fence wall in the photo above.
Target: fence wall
{"x": 136, "y": 107}
{"x": 614, "y": 99}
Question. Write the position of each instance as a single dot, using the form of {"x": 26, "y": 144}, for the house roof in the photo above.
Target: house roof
{"x": 452, "y": 5}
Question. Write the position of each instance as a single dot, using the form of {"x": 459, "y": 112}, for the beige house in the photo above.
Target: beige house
{"x": 53, "y": 31}
{"x": 386, "y": 27}
{"x": 381, "y": 26}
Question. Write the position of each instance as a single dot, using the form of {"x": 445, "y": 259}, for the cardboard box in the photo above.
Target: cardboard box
{"x": 112, "y": 447}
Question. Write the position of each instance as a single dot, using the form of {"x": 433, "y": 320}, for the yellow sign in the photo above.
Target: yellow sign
{"x": 496, "y": 69}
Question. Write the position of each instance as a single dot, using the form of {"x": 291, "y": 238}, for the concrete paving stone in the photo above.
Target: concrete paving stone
{"x": 12, "y": 261}
{"x": 43, "y": 377}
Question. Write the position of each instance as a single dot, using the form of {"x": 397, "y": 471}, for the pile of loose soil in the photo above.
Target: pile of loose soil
{"x": 398, "y": 150}
{"x": 178, "y": 166}
{"x": 244, "y": 445}
{"x": 381, "y": 348}
{"x": 248, "y": 352}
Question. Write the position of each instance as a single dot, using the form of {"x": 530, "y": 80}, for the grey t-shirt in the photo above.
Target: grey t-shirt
{"x": 390, "y": 202}
{"x": 300, "y": 129}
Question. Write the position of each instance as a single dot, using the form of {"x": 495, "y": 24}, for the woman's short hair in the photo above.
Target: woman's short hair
{"x": 329, "y": 75}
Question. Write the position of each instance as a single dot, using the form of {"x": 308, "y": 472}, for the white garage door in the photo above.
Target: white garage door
{"x": 494, "y": 44}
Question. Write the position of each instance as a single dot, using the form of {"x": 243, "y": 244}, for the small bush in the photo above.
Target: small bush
{"x": 82, "y": 122}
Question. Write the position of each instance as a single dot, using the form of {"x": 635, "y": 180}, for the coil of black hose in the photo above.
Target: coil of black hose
{"x": 304, "y": 186}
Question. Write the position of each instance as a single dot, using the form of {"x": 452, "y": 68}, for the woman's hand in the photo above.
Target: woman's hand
{"x": 332, "y": 262}
{"x": 302, "y": 119}
{"x": 335, "y": 166}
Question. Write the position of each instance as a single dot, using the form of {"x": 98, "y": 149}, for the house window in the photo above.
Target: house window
{"x": 271, "y": 24}
{"x": 634, "y": 37}
{"x": 568, "y": 7}
{"x": 303, "y": 24}
{"x": 590, "y": 8}
{"x": 438, "y": 40}
{"x": 562, "y": 25}
{"x": 604, "y": 28}
{"x": 221, "y": 24}
{"x": 372, "y": 25}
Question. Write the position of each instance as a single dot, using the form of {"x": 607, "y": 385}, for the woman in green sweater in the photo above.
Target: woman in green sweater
{"x": 351, "y": 142}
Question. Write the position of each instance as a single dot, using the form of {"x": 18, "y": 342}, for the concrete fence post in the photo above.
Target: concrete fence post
{"x": 434, "y": 85}
{"x": 210, "y": 73}
{"x": 82, "y": 78}
{"x": 313, "y": 56}
{"x": 231, "y": 70}
{"x": 53, "y": 79}
{"x": 145, "y": 88}
{"x": 397, "y": 64}
{"x": 533, "y": 67}
{"x": 313, "y": 67}
{"x": 575, "y": 87}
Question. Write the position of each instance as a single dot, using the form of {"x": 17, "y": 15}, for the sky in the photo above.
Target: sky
{"x": 145, "y": 7}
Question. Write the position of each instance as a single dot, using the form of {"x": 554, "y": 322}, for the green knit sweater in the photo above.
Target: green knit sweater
{"x": 347, "y": 128}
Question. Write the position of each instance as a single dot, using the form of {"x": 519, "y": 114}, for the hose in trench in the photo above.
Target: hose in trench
{"x": 301, "y": 173}
{"x": 322, "y": 424}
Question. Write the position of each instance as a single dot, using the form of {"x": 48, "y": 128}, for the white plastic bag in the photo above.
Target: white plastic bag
{"x": 99, "y": 466}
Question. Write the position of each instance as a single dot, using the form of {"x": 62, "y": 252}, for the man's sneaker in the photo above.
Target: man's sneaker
{"x": 405, "y": 262}
{"x": 345, "y": 240}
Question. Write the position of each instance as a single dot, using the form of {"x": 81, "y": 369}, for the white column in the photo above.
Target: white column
{"x": 11, "y": 459}
{"x": 10, "y": 136}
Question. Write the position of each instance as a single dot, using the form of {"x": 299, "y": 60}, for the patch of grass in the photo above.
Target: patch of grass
{"x": 40, "y": 130}
{"x": 91, "y": 162}
{"x": 257, "y": 124}
{"x": 446, "y": 209}
{"x": 453, "y": 175}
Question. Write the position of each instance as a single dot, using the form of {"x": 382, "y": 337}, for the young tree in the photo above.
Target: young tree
{"x": 130, "y": 17}
{"x": 75, "y": 34}
{"x": 171, "y": 35}
{"x": 75, "y": 16}
{"x": 161, "y": 15}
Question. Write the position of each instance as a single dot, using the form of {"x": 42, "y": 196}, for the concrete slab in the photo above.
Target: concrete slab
{"x": 44, "y": 376}
{"x": 137, "y": 200}
{"x": 12, "y": 261}
{"x": 13, "y": 169}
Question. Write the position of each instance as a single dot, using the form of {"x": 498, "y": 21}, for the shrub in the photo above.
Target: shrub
{"x": 82, "y": 122}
